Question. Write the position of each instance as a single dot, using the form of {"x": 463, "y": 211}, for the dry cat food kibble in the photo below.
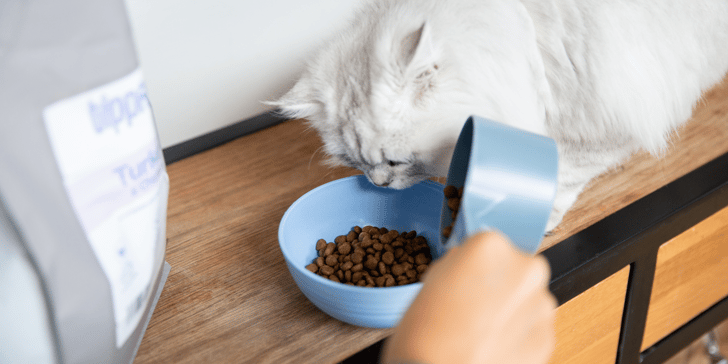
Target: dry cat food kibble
{"x": 453, "y": 196}
{"x": 373, "y": 257}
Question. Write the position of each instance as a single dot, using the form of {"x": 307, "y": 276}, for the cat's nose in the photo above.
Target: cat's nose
{"x": 378, "y": 179}
{"x": 379, "y": 182}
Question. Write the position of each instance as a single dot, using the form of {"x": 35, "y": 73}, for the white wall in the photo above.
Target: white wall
{"x": 208, "y": 64}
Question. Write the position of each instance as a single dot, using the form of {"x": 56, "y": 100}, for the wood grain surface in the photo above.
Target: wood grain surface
{"x": 691, "y": 275}
{"x": 587, "y": 326}
{"x": 229, "y": 297}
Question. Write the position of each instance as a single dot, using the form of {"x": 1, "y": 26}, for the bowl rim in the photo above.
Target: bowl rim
{"x": 327, "y": 282}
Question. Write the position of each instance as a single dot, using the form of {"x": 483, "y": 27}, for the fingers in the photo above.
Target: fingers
{"x": 540, "y": 338}
{"x": 527, "y": 309}
{"x": 526, "y": 335}
{"x": 483, "y": 300}
{"x": 545, "y": 338}
{"x": 534, "y": 316}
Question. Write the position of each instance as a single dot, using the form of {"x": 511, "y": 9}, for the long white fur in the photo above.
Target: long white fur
{"x": 604, "y": 78}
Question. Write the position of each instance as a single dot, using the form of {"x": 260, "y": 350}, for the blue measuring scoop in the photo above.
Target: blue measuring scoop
{"x": 509, "y": 180}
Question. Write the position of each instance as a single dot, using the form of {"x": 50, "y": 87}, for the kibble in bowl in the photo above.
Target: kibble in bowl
{"x": 335, "y": 209}
{"x": 373, "y": 257}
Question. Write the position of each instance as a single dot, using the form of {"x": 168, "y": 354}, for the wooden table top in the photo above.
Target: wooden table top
{"x": 229, "y": 297}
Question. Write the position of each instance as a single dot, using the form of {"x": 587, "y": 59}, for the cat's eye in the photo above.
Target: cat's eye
{"x": 394, "y": 163}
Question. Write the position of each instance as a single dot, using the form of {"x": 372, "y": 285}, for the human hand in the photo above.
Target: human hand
{"x": 483, "y": 302}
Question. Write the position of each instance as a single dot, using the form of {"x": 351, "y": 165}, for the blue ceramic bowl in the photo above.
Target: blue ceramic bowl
{"x": 333, "y": 209}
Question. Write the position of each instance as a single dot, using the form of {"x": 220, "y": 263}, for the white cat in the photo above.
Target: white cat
{"x": 603, "y": 78}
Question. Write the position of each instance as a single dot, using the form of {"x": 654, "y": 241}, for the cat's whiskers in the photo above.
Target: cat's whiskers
{"x": 313, "y": 155}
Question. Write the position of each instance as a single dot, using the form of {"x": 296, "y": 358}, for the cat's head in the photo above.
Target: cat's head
{"x": 374, "y": 96}
{"x": 390, "y": 94}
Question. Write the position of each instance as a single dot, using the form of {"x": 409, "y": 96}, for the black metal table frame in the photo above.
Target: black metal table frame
{"x": 632, "y": 236}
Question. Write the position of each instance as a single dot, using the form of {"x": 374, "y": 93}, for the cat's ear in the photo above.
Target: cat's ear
{"x": 298, "y": 102}
{"x": 417, "y": 53}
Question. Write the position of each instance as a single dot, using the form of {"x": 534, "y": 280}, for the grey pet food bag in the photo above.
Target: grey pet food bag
{"x": 83, "y": 185}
